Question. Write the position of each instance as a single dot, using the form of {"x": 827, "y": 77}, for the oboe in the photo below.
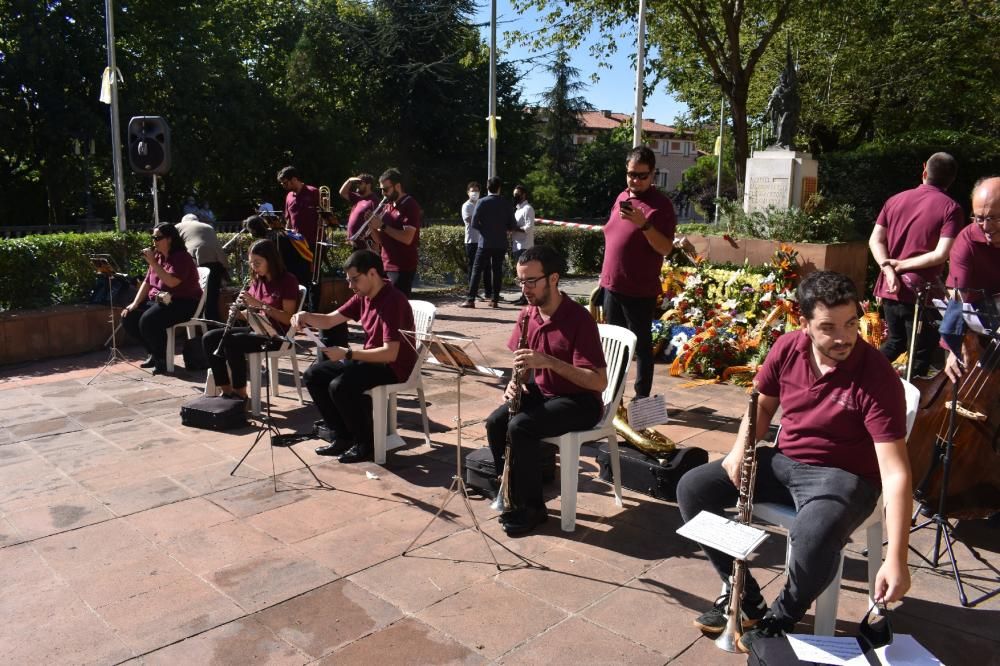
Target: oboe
{"x": 505, "y": 501}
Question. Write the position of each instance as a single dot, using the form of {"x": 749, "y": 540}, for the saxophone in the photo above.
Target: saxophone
{"x": 504, "y": 500}
{"x": 744, "y": 513}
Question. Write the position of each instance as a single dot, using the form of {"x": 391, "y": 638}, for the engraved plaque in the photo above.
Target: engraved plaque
{"x": 764, "y": 191}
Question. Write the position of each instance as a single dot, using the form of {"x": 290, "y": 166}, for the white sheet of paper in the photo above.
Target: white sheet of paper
{"x": 729, "y": 536}
{"x": 968, "y": 314}
{"x": 906, "y": 651}
{"x": 646, "y": 412}
{"x": 836, "y": 650}
{"x": 314, "y": 336}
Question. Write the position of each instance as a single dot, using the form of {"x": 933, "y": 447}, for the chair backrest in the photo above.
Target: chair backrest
{"x": 302, "y": 298}
{"x": 619, "y": 348}
{"x": 203, "y": 274}
{"x": 423, "y": 322}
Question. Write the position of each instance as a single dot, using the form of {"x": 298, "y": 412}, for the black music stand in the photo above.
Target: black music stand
{"x": 451, "y": 354}
{"x": 275, "y": 438}
{"x": 943, "y": 527}
{"x": 104, "y": 265}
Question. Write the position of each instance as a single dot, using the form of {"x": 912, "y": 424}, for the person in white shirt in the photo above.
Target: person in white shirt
{"x": 524, "y": 237}
{"x": 472, "y": 235}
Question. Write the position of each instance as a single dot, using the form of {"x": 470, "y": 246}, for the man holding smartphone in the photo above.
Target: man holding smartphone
{"x": 638, "y": 234}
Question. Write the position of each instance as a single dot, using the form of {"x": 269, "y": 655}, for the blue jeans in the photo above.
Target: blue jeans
{"x": 831, "y": 504}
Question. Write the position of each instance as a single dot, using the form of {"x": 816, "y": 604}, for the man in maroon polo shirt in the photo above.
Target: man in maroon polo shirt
{"x": 639, "y": 233}
{"x": 359, "y": 190}
{"x": 398, "y": 232}
{"x": 842, "y": 443}
{"x": 338, "y": 382}
{"x": 974, "y": 268}
{"x": 911, "y": 240}
{"x": 562, "y": 394}
{"x": 301, "y": 205}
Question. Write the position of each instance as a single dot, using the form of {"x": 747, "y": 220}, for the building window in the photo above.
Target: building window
{"x": 675, "y": 146}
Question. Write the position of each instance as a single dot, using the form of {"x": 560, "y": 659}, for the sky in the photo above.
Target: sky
{"x": 615, "y": 91}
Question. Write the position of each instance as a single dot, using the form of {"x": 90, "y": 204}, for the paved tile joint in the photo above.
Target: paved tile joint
{"x": 123, "y": 537}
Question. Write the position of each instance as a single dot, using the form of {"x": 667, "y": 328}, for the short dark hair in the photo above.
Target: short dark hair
{"x": 269, "y": 251}
{"x": 256, "y": 225}
{"x": 168, "y": 229}
{"x": 393, "y": 175}
{"x": 527, "y": 192}
{"x": 363, "y": 261}
{"x": 826, "y": 287}
{"x": 494, "y": 184}
{"x": 551, "y": 261}
{"x": 941, "y": 170}
{"x": 642, "y": 155}
{"x": 473, "y": 183}
{"x": 366, "y": 178}
{"x": 288, "y": 172}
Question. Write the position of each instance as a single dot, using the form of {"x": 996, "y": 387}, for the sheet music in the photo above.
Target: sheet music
{"x": 453, "y": 351}
{"x": 260, "y": 324}
{"x": 905, "y": 651}
{"x": 729, "y": 536}
{"x": 646, "y": 412}
{"x": 836, "y": 650}
{"x": 968, "y": 314}
{"x": 313, "y": 335}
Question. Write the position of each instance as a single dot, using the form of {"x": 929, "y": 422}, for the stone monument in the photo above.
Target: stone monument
{"x": 780, "y": 176}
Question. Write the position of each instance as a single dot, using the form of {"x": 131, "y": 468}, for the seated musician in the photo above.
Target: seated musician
{"x": 337, "y": 383}
{"x": 168, "y": 295}
{"x": 842, "y": 443}
{"x": 565, "y": 360}
{"x": 974, "y": 266}
{"x": 273, "y": 292}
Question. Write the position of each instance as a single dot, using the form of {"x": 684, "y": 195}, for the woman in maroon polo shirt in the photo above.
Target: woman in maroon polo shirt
{"x": 168, "y": 295}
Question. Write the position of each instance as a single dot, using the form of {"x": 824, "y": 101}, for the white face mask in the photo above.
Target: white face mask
{"x": 473, "y": 195}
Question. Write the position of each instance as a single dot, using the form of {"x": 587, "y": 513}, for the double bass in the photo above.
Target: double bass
{"x": 970, "y": 480}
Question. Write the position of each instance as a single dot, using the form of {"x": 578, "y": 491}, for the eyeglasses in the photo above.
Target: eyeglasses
{"x": 386, "y": 188}
{"x": 636, "y": 175}
{"x": 983, "y": 220}
{"x": 531, "y": 282}
{"x": 354, "y": 280}
{"x": 156, "y": 238}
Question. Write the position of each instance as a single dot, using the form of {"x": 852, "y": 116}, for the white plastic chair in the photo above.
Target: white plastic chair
{"x": 257, "y": 367}
{"x": 190, "y": 325}
{"x": 619, "y": 348}
{"x": 384, "y": 407}
{"x": 783, "y": 516}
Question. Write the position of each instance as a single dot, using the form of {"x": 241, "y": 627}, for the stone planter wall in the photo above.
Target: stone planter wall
{"x": 60, "y": 330}
{"x": 851, "y": 259}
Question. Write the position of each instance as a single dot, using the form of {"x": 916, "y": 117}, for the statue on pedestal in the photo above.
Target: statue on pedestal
{"x": 784, "y": 105}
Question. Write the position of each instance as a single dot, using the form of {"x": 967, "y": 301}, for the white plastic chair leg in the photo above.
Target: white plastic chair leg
{"x": 616, "y": 468}
{"x": 826, "y": 604}
{"x": 275, "y": 384}
{"x": 170, "y": 348}
{"x": 379, "y": 413}
{"x": 296, "y": 377}
{"x": 423, "y": 415}
{"x": 254, "y": 361}
{"x": 569, "y": 474}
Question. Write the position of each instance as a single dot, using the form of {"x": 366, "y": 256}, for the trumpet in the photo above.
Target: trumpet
{"x": 363, "y": 234}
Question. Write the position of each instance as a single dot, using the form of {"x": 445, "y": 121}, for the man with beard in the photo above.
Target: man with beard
{"x": 842, "y": 443}
{"x": 398, "y": 232}
{"x": 359, "y": 190}
{"x": 566, "y": 374}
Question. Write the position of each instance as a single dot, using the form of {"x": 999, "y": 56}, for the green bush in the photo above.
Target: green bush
{"x": 820, "y": 222}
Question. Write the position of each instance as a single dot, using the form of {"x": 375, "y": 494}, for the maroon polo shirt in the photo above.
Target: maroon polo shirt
{"x": 397, "y": 256}
{"x": 382, "y": 319}
{"x": 569, "y": 335}
{"x": 914, "y": 221}
{"x": 274, "y": 292}
{"x": 974, "y": 264}
{"x": 181, "y": 265}
{"x": 301, "y": 212}
{"x": 631, "y": 265}
{"x": 834, "y": 420}
{"x": 361, "y": 208}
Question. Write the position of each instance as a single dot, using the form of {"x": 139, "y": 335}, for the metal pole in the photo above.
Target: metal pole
{"x": 156, "y": 203}
{"x": 640, "y": 67}
{"x": 116, "y": 139}
{"x": 718, "y": 172}
{"x": 491, "y": 136}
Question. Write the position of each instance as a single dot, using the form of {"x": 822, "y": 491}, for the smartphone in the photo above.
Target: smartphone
{"x": 626, "y": 206}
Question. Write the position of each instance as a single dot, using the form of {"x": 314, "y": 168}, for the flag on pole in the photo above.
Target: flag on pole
{"x": 493, "y": 126}
{"x": 105, "y": 95}
{"x": 718, "y": 146}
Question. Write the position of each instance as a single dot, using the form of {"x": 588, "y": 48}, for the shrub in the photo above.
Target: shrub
{"x": 819, "y": 222}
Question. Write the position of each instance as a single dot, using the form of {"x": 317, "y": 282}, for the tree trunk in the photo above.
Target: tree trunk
{"x": 741, "y": 143}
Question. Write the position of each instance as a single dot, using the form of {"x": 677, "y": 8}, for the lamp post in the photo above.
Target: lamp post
{"x": 640, "y": 67}
{"x": 491, "y": 131}
{"x": 116, "y": 137}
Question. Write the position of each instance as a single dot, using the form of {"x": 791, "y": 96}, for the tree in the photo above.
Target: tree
{"x": 561, "y": 108}
{"x": 600, "y": 171}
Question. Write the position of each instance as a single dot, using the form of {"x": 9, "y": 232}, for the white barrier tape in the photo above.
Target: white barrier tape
{"x": 575, "y": 225}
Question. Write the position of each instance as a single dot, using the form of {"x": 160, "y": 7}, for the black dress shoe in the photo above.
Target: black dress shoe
{"x": 149, "y": 362}
{"x": 510, "y": 516}
{"x": 525, "y": 521}
{"x": 356, "y": 454}
{"x": 494, "y": 304}
{"x": 334, "y": 448}
{"x": 467, "y": 304}
{"x": 520, "y": 301}
{"x": 160, "y": 367}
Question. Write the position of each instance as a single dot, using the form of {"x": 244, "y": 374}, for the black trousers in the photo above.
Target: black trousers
{"x": 539, "y": 417}
{"x": 337, "y": 389}
{"x": 149, "y": 322}
{"x": 402, "y": 280}
{"x": 636, "y": 314}
{"x": 899, "y": 320}
{"x": 237, "y": 343}
{"x": 494, "y": 258}
{"x": 470, "y": 256}
{"x": 216, "y": 274}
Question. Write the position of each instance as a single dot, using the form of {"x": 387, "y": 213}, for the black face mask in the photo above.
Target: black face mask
{"x": 874, "y": 635}
{"x": 518, "y": 199}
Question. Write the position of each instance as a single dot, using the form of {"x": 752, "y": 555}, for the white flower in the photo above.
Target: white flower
{"x": 730, "y": 304}
{"x": 678, "y": 341}
{"x": 693, "y": 280}
{"x": 766, "y": 298}
{"x": 694, "y": 313}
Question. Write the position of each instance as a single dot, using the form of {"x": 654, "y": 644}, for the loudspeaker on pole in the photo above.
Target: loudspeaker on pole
{"x": 149, "y": 145}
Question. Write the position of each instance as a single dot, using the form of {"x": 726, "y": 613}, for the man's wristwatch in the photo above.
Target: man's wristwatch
{"x": 887, "y": 262}
{"x": 349, "y": 355}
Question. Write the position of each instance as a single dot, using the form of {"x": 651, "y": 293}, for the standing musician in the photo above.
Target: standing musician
{"x": 842, "y": 443}
{"x": 974, "y": 268}
{"x": 301, "y": 206}
{"x": 639, "y": 233}
{"x": 274, "y": 292}
{"x": 398, "y": 232}
{"x": 564, "y": 393}
{"x": 359, "y": 190}
{"x": 168, "y": 295}
{"x": 338, "y": 382}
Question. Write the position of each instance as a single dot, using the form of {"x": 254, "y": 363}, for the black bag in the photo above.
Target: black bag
{"x": 194, "y": 354}
{"x": 656, "y": 477}
{"x": 481, "y": 474}
{"x": 214, "y": 413}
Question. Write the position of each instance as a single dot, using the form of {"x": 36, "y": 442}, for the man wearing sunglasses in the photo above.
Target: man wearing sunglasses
{"x": 563, "y": 376}
{"x": 398, "y": 232}
{"x": 974, "y": 267}
{"x": 637, "y": 236}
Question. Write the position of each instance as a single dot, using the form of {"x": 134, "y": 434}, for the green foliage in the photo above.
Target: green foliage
{"x": 698, "y": 182}
{"x": 819, "y": 222}
{"x": 583, "y": 249}
{"x": 442, "y": 253}
{"x": 599, "y": 173}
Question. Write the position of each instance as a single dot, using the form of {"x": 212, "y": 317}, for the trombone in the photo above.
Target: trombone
{"x": 323, "y": 213}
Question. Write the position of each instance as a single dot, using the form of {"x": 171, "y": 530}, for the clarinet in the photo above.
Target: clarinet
{"x": 234, "y": 311}
{"x": 505, "y": 501}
